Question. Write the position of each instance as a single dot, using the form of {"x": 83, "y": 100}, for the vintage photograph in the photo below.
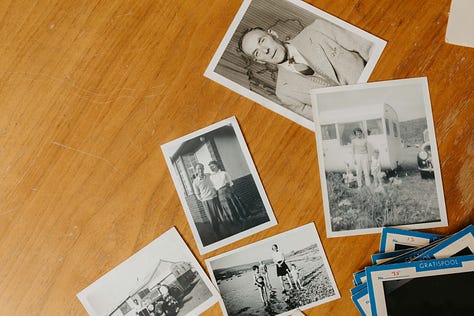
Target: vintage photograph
{"x": 275, "y": 52}
{"x": 218, "y": 185}
{"x": 274, "y": 276}
{"x": 378, "y": 158}
{"x": 162, "y": 279}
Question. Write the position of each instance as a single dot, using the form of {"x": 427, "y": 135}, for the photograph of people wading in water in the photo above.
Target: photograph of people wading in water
{"x": 274, "y": 276}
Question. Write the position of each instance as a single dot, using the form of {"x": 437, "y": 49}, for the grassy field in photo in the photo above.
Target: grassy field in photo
{"x": 410, "y": 201}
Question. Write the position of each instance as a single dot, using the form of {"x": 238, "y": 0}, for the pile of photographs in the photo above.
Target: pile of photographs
{"x": 280, "y": 275}
{"x": 376, "y": 142}
{"x": 378, "y": 164}
{"x": 418, "y": 273}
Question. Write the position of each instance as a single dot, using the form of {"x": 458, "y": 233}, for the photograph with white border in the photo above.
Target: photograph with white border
{"x": 274, "y": 276}
{"x": 378, "y": 158}
{"x": 218, "y": 185}
{"x": 276, "y": 51}
{"x": 163, "y": 278}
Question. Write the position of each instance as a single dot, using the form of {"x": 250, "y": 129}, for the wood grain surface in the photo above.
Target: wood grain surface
{"x": 90, "y": 89}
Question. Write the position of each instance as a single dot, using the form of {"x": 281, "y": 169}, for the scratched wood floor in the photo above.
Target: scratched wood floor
{"x": 90, "y": 89}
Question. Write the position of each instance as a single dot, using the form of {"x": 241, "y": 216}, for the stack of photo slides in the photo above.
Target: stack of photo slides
{"x": 418, "y": 273}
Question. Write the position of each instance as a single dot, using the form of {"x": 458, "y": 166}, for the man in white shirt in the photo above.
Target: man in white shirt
{"x": 207, "y": 194}
{"x": 321, "y": 55}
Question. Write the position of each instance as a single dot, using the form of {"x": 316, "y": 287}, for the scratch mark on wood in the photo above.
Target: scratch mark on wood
{"x": 93, "y": 96}
{"x": 8, "y": 211}
{"x": 87, "y": 154}
{"x": 122, "y": 15}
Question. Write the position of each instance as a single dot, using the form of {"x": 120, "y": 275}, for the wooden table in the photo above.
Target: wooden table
{"x": 90, "y": 89}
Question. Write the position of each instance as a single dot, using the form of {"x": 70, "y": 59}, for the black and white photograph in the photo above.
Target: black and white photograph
{"x": 275, "y": 276}
{"x": 162, "y": 279}
{"x": 276, "y": 51}
{"x": 218, "y": 185}
{"x": 378, "y": 158}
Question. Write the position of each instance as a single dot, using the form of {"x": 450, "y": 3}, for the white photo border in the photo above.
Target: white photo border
{"x": 253, "y": 171}
{"x": 311, "y": 228}
{"x": 179, "y": 244}
{"x": 375, "y": 54}
{"x": 423, "y": 82}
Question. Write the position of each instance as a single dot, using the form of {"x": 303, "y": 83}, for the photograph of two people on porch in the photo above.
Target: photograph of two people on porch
{"x": 219, "y": 187}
